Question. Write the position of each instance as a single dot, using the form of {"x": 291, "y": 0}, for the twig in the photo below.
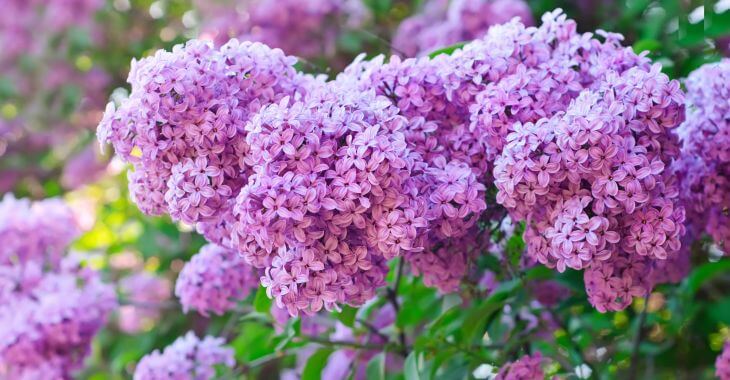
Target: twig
{"x": 572, "y": 341}
{"x": 372, "y": 328}
{"x": 345, "y": 343}
{"x": 392, "y": 294}
{"x": 383, "y": 40}
{"x": 637, "y": 340}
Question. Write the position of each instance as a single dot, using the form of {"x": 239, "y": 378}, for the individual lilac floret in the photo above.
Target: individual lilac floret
{"x": 147, "y": 293}
{"x": 181, "y": 126}
{"x": 188, "y": 358}
{"x": 704, "y": 168}
{"x": 443, "y": 23}
{"x": 722, "y": 363}
{"x": 214, "y": 280}
{"x": 526, "y": 368}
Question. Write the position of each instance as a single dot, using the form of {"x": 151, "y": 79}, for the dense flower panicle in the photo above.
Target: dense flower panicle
{"x": 305, "y": 28}
{"x": 526, "y": 368}
{"x": 50, "y": 306}
{"x": 52, "y": 320}
{"x": 592, "y": 184}
{"x": 181, "y": 126}
{"x": 722, "y": 363}
{"x": 146, "y": 293}
{"x": 214, "y": 280}
{"x": 35, "y": 231}
{"x": 704, "y": 168}
{"x": 188, "y": 358}
{"x": 330, "y": 200}
{"x": 443, "y": 23}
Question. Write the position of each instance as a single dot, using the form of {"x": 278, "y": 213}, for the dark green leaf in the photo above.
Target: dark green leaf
{"x": 315, "y": 364}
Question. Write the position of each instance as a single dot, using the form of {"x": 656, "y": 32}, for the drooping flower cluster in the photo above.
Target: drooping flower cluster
{"x": 51, "y": 88}
{"x": 214, "y": 280}
{"x": 526, "y": 368}
{"x": 146, "y": 294}
{"x": 704, "y": 168}
{"x": 722, "y": 363}
{"x": 181, "y": 125}
{"x": 188, "y": 358}
{"x": 593, "y": 186}
{"x": 304, "y": 28}
{"x": 50, "y": 307}
{"x": 442, "y": 23}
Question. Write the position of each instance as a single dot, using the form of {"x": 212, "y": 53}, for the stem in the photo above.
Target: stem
{"x": 345, "y": 343}
{"x": 392, "y": 294}
{"x": 637, "y": 340}
{"x": 573, "y": 343}
{"x": 372, "y": 329}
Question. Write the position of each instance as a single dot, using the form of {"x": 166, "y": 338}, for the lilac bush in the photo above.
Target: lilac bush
{"x": 722, "y": 364}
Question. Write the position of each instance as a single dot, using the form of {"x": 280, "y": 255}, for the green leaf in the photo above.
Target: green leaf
{"x": 262, "y": 302}
{"x": 315, "y": 364}
{"x": 702, "y": 274}
{"x": 376, "y": 367}
{"x": 347, "y": 316}
{"x": 477, "y": 318}
{"x": 447, "y": 50}
{"x": 410, "y": 368}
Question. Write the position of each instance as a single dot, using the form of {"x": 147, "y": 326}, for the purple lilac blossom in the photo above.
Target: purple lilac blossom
{"x": 51, "y": 307}
{"x": 188, "y": 358}
{"x": 214, "y": 280}
{"x": 181, "y": 126}
{"x": 443, "y": 23}
{"x": 305, "y": 28}
{"x": 146, "y": 293}
{"x": 528, "y": 367}
{"x": 722, "y": 363}
{"x": 704, "y": 167}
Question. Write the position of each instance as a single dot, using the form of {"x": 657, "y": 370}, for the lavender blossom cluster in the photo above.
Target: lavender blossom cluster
{"x": 188, "y": 358}
{"x": 442, "y": 23}
{"x": 320, "y": 183}
{"x": 214, "y": 280}
{"x": 51, "y": 307}
{"x": 304, "y": 28}
{"x": 704, "y": 168}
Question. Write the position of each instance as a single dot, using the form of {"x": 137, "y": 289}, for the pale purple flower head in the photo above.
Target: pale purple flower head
{"x": 528, "y": 367}
{"x": 188, "y": 358}
{"x": 214, "y": 280}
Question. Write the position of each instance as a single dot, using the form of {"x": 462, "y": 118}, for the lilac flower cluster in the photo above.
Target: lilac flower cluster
{"x": 50, "y": 307}
{"x": 442, "y": 23}
{"x": 188, "y": 358}
{"x": 722, "y": 363}
{"x": 214, "y": 280}
{"x": 528, "y": 367}
{"x": 180, "y": 127}
{"x": 305, "y": 28}
{"x": 704, "y": 168}
{"x": 146, "y": 293}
